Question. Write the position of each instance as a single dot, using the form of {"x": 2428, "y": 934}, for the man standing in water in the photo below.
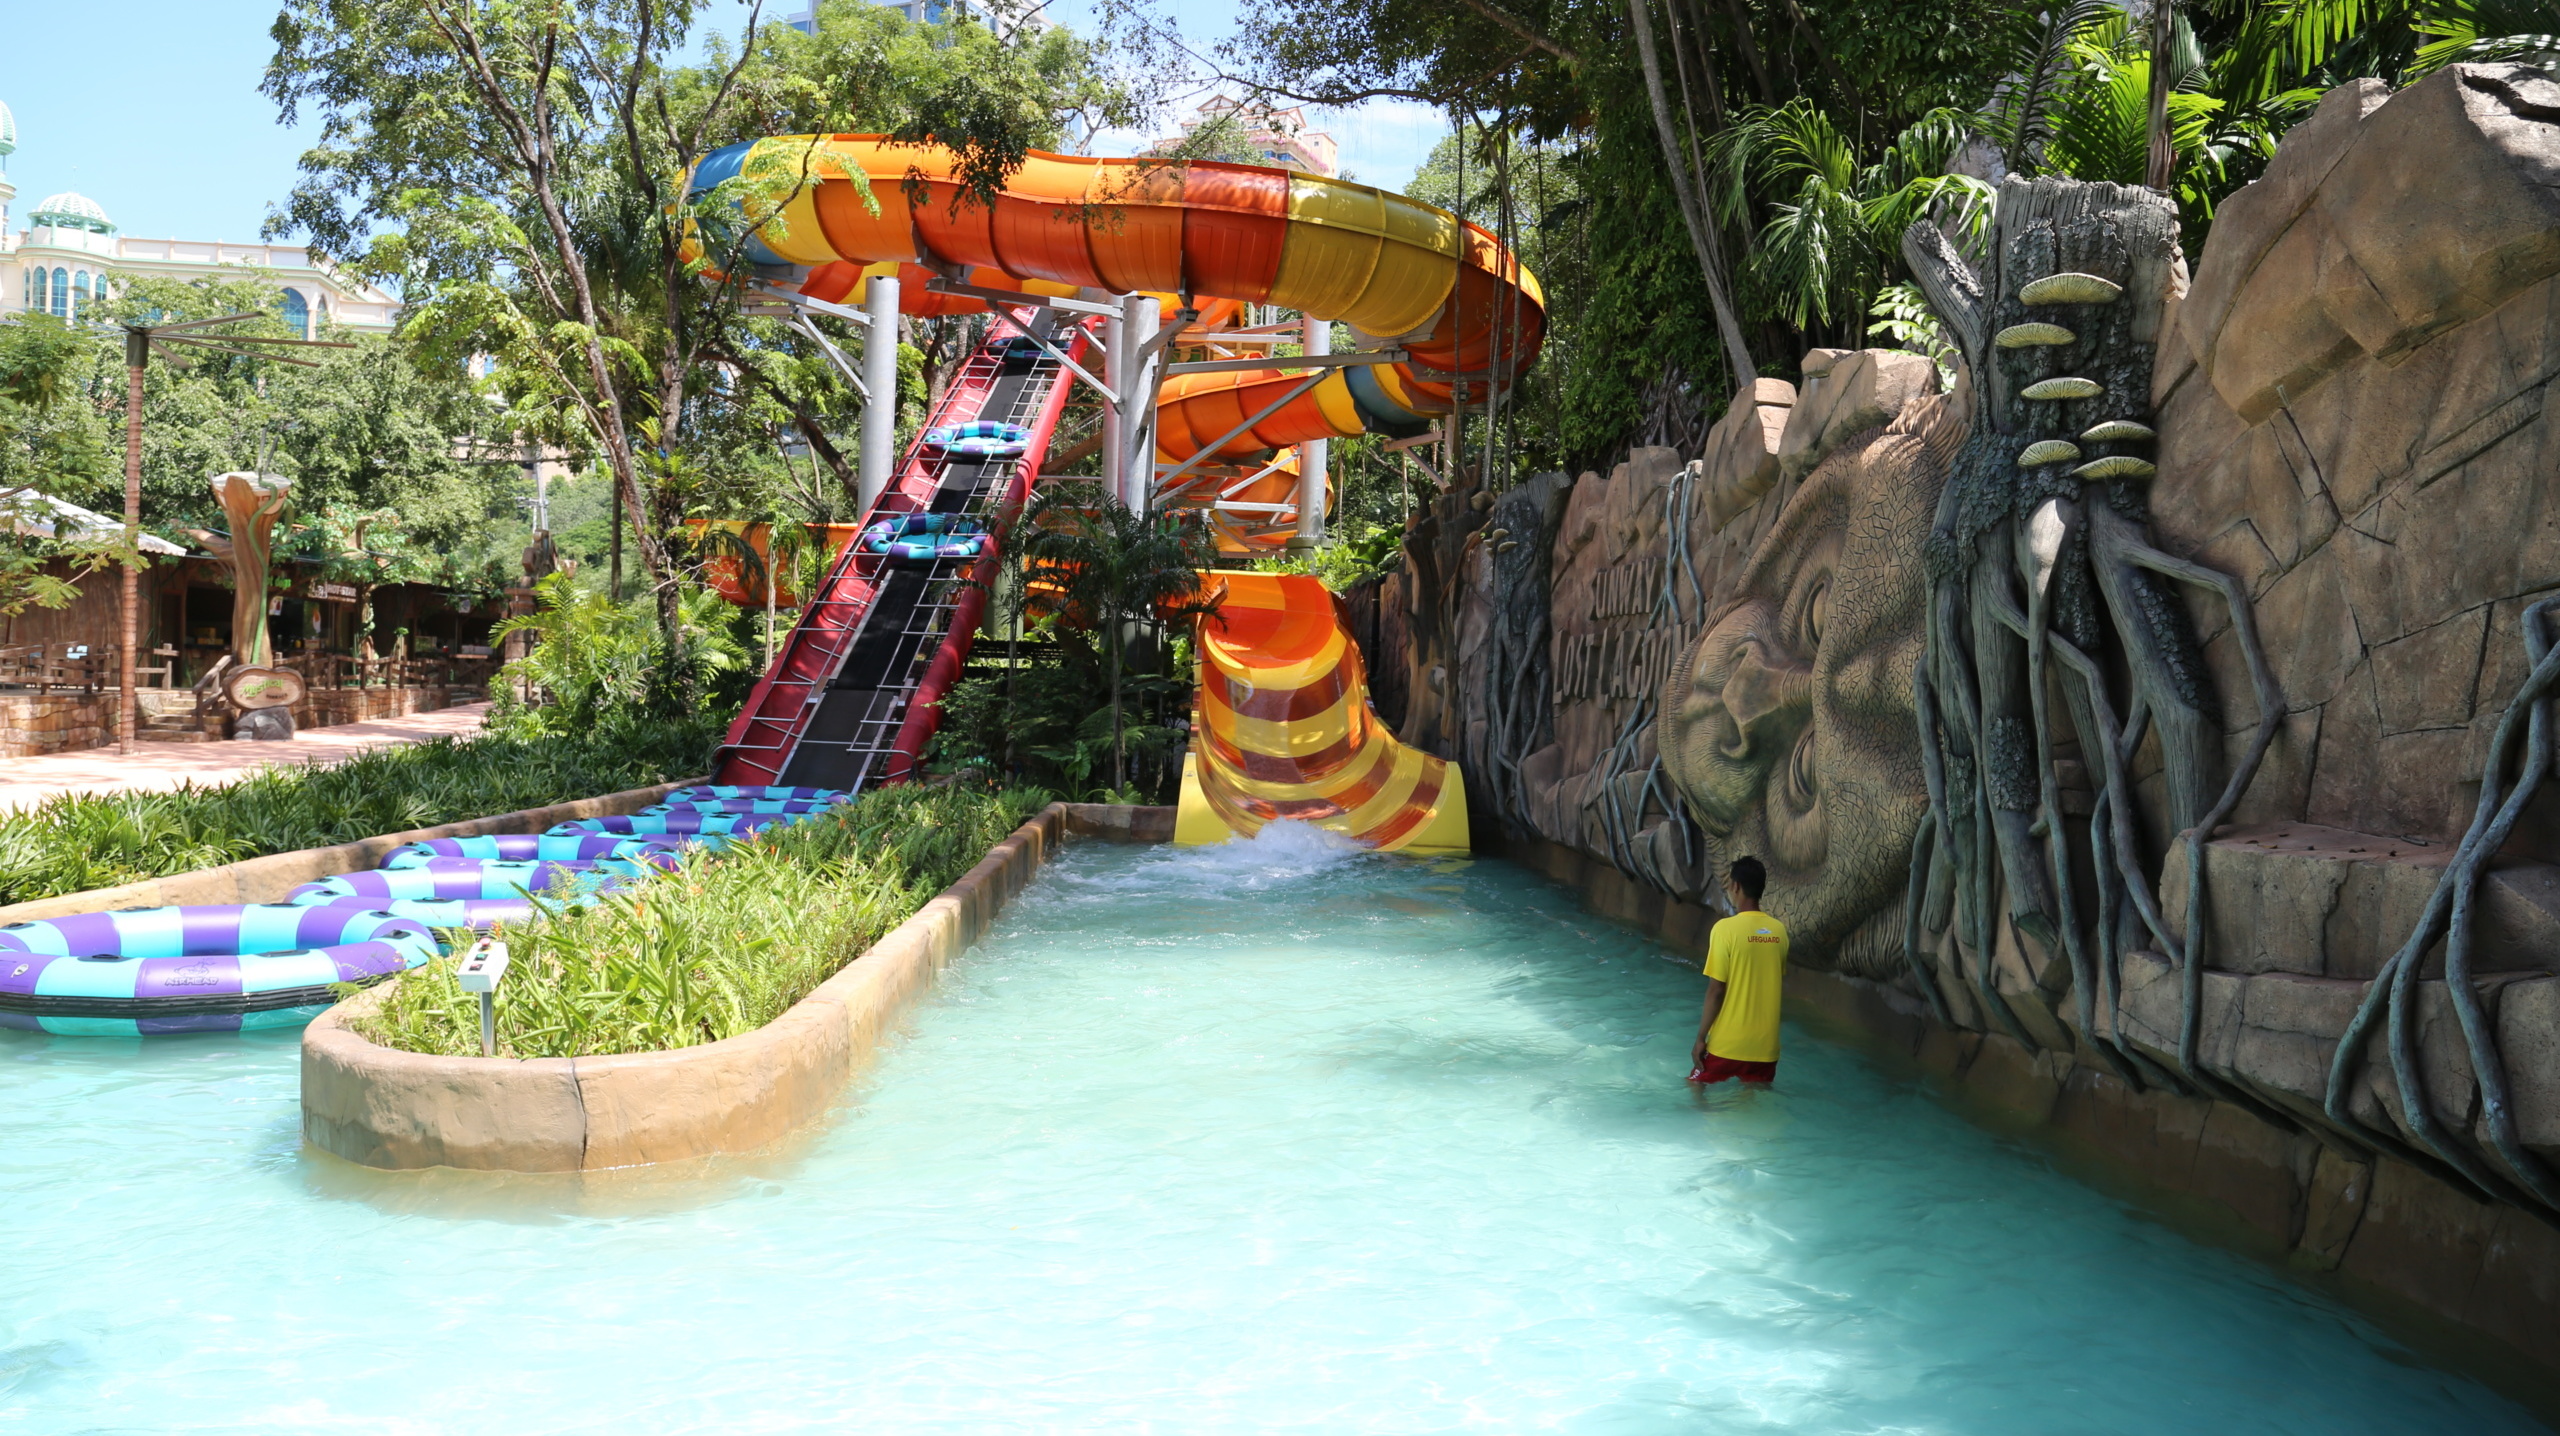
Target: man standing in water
{"x": 1746, "y": 970}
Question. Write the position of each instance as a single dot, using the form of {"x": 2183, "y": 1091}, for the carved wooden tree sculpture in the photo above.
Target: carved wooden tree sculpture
{"x": 253, "y": 503}
{"x": 2039, "y": 554}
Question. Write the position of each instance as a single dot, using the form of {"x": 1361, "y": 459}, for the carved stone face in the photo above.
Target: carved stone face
{"x": 1791, "y": 727}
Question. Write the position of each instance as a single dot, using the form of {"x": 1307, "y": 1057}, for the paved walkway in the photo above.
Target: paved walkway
{"x": 25, "y": 782}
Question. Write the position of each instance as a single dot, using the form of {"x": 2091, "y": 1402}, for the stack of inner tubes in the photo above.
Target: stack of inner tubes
{"x": 146, "y": 971}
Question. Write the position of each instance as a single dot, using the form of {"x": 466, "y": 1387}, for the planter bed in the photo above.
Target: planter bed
{"x": 386, "y": 1108}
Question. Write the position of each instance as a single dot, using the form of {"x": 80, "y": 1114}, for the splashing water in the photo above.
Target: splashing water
{"x": 1273, "y": 1137}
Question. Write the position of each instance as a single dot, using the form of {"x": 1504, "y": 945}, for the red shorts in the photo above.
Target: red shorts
{"x": 1717, "y": 1069}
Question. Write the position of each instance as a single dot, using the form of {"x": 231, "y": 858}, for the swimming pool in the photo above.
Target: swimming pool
{"x": 1264, "y": 1138}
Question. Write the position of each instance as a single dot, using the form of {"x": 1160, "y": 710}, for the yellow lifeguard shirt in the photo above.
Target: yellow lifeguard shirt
{"x": 1748, "y": 954}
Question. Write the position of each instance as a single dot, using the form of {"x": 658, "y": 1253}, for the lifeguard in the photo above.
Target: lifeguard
{"x": 1746, "y": 975}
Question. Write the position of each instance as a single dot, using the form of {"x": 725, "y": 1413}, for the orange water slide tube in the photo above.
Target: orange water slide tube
{"x": 1399, "y": 272}
{"x": 1282, "y": 728}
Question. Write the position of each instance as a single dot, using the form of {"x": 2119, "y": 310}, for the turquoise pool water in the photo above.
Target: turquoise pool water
{"x": 1268, "y": 1138}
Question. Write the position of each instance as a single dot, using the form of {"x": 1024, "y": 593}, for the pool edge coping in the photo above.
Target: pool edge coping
{"x": 383, "y": 1108}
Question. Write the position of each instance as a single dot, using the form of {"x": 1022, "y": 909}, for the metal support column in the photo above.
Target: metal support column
{"x": 1313, "y": 454}
{"x": 1137, "y": 384}
{"x": 1115, "y": 444}
{"x": 880, "y": 378}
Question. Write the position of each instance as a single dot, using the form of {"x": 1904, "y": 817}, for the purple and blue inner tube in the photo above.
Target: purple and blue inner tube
{"x": 442, "y": 878}
{"x": 519, "y": 848}
{"x": 476, "y": 914}
{"x": 795, "y": 807}
{"x": 214, "y": 968}
{"x": 682, "y": 824}
{"x": 761, "y": 791}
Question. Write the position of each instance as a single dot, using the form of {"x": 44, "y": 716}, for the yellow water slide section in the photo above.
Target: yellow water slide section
{"x": 1282, "y": 728}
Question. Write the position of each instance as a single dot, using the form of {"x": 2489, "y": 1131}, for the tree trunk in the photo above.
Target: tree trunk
{"x": 1693, "y": 210}
{"x": 1119, "y": 759}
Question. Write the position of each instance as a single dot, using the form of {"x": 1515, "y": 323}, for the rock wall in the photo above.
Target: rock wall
{"x": 33, "y": 723}
{"x": 2127, "y": 873}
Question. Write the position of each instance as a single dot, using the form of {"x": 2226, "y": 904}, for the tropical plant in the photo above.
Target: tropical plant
{"x": 1354, "y": 553}
{"x": 1903, "y": 316}
{"x": 1114, "y": 573}
{"x": 721, "y": 946}
{"x": 545, "y": 218}
{"x": 78, "y": 842}
{"x": 1835, "y": 226}
{"x": 590, "y": 655}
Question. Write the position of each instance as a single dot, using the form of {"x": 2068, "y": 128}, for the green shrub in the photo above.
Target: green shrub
{"x": 719, "y": 947}
{"x": 78, "y": 842}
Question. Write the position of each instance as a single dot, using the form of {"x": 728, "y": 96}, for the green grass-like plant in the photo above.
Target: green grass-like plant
{"x": 719, "y": 947}
{"x": 78, "y": 842}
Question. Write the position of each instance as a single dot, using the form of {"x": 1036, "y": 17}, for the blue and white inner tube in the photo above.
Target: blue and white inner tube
{"x": 212, "y": 968}
{"x": 979, "y": 439}
{"x": 923, "y": 538}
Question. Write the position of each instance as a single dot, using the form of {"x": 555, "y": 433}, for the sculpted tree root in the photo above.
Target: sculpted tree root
{"x": 2037, "y": 555}
{"x": 1616, "y": 824}
{"x": 2448, "y": 913}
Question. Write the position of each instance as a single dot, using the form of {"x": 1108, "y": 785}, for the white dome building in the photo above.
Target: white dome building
{"x": 70, "y": 254}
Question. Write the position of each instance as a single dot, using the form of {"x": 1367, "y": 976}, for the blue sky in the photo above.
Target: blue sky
{"x": 173, "y": 138}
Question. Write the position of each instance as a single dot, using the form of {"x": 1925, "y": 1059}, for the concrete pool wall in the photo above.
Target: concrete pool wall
{"x": 400, "y": 1110}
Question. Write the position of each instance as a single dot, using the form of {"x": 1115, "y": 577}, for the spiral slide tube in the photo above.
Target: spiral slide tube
{"x": 1282, "y": 728}
{"x": 1401, "y": 273}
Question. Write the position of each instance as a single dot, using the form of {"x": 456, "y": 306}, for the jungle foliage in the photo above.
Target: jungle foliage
{"x": 1713, "y": 186}
{"x": 540, "y": 216}
{"x": 360, "y": 429}
{"x": 1105, "y": 597}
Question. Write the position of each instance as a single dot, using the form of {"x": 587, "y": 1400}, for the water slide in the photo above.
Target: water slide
{"x": 1403, "y": 274}
{"x": 854, "y": 693}
{"x": 1282, "y": 728}
{"x": 1444, "y": 315}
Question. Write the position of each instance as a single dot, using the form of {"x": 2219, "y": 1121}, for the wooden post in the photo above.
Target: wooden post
{"x": 137, "y": 351}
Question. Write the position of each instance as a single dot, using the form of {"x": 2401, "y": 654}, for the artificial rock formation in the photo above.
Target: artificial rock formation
{"x": 2150, "y": 727}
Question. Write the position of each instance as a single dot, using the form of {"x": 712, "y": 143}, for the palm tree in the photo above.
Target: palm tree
{"x": 1115, "y": 570}
{"x": 1836, "y": 224}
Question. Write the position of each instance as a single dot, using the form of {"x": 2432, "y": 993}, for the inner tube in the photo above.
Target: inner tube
{"x": 686, "y": 824}
{"x": 209, "y": 968}
{"x": 448, "y": 878}
{"x": 524, "y": 848}
{"x": 922, "y": 537}
{"x": 979, "y": 439}
{"x": 475, "y": 914}
{"x": 773, "y": 793}
{"x": 795, "y": 806}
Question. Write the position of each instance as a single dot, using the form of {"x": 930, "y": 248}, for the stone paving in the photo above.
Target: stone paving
{"x": 25, "y": 782}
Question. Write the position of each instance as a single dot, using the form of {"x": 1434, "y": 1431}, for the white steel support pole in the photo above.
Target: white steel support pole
{"x": 1313, "y": 454}
{"x": 880, "y": 376}
{"x": 1137, "y": 385}
{"x": 1115, "y": 421}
